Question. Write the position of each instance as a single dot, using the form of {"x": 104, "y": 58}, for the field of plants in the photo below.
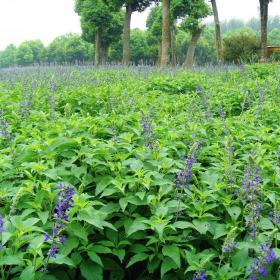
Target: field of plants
{"x": 140, "y": 173}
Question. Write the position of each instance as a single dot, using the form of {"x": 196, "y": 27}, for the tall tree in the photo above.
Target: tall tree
{"x": 130, "y": 7}
{"x": 154, "y": 29}
{"x": 196, "y": 32}
{"x": 7, "y": 57}
{"x": 100, "y": 24}
{"x": 264, "y": 20}
{"x": 217, "y": 31}
{"x": 191, "y": 12}
{"x": 165, "y": 45}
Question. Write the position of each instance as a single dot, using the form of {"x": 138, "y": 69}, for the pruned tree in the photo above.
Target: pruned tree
{"x": 130, "y": 7}
{"x": 217, "y": 32}
{"x": 264, "y": 19}
{"x": 165, "y": 41}
{"x": 195, "y": 35}
{"x": 191, "y": 12}
{"x": 154, "y": 31}
{"x": 100, "y": 24}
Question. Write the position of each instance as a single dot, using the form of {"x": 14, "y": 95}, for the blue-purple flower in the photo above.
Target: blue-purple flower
{"x": 184, "y": 176}
{"x": 65, "y": 202}
{"x": 229, "y": 246}
{"x": 251, "y": 194}
{"x": 148, "y": 132}
{"x": 200, "y": 275}
{"x": 3, "y": 126}
{"x": 1, "y": 230}
{"x": 1, "y": 224}
{"x": 259, "y": 266}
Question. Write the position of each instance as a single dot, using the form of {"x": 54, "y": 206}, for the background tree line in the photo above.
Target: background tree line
{"x": 103, "y": 40}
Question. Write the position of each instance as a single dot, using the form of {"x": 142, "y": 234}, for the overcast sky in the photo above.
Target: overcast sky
{"x": 22, "y": 20}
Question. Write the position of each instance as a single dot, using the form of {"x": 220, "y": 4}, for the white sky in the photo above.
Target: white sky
{"x": 22, "y": 20}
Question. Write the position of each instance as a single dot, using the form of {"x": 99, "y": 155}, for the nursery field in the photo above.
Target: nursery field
{"x": 140, "y": 173}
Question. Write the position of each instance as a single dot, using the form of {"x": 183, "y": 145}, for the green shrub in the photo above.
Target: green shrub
{"x": 241, "y": 48}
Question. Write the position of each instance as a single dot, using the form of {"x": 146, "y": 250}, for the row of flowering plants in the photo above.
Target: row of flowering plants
{"x": 139, "y": 174}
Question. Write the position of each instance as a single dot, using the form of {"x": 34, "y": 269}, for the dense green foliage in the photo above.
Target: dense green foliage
{"x": 241, "y": 48}
{"x": 72, "y": 49}
{"x": 121, "y": 138}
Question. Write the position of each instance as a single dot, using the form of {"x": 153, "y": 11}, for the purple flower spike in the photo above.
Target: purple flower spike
{"x": 65, "y": 203}
{"x": 200, "y": 275}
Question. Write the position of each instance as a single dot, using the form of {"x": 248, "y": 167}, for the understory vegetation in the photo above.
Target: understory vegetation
{"x": 139, "y": 173}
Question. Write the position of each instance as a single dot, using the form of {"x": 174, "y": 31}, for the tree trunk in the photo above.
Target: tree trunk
{"x": 264, "y": 18}
{"x": 165, "y": 33}
{"x": 104, "y": 54}
{"x": 97, "y": 48}
{"x": 126, "y": 35}
{"x": 217, "y": 32}
{"x": 159, "y": 55}
{"x": 189, "y": 62}
{"x": 173, "y": 46}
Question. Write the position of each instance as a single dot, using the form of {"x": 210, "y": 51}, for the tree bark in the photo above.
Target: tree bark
{"x": 264, "y": 19}
{"x": 189, "y": 62}
{"x": 104, "y": 54}
{"x": 97, "y": 48}
{"x": 159, "y": 55}
{"x": 173, "y": 45}
{"x": 217, "y": 32}
{"x": 126, "y": 35}
{"x": 165, "y": 33}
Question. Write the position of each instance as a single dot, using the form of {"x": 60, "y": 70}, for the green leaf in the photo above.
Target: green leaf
{"x": 60, "y": 259}
{"x": 91, "y": 270}
{"x": 123, "y": 203}
{"x": 120, "y": 253}
{"x": 201, "y": 226}
{"x": 137, "y": 225}
{"x": 271, "y": 197}
{"x": 11, "y": 260}
{"x": 30, "y": 222}
{"x": 183, "y": 225}
{"x": 5, "y": 237}
{"x": 78, "y": 230}
{"x": 93, "y": 217}
{"x": 210, "y": 178}
{"x": 266, "y": 224}
{"x": 95, "y": 258}
{"x": 134, "y": 164}
{"x": 173, "y": 252}
{"x": 234, "y": 212}
{"x": 101, "y": 183}
{"x": 166, "y": 266}
{"x": 43, "y": 216}
{"x": 28, "y": 273}
{"x": 220, "y": 230}
{"x": 70, "y": 244}
{"x": 240, "y": 259}
{"x": 101, "y": 249}
{"x": 137, "y": 258}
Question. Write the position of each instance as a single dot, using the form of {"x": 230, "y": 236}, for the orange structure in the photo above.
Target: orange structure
{"x": 272, "y": 49}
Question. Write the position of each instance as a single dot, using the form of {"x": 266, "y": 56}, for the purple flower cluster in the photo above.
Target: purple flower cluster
{"x": 200, "y": 275}
{"x": 184, "y": 176}
{"x": 251, "y": 192}
{"x": 274, "y": 216}
{"x": 229, "y": 246}
{"x": 53, "y": 90}
{"x": 3, "y": 126}
{"x": 65, "y": 196}
{"x": 259, "y": 266}
{"x": 1, "y": 229}
{"x": 148, "y": 132}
